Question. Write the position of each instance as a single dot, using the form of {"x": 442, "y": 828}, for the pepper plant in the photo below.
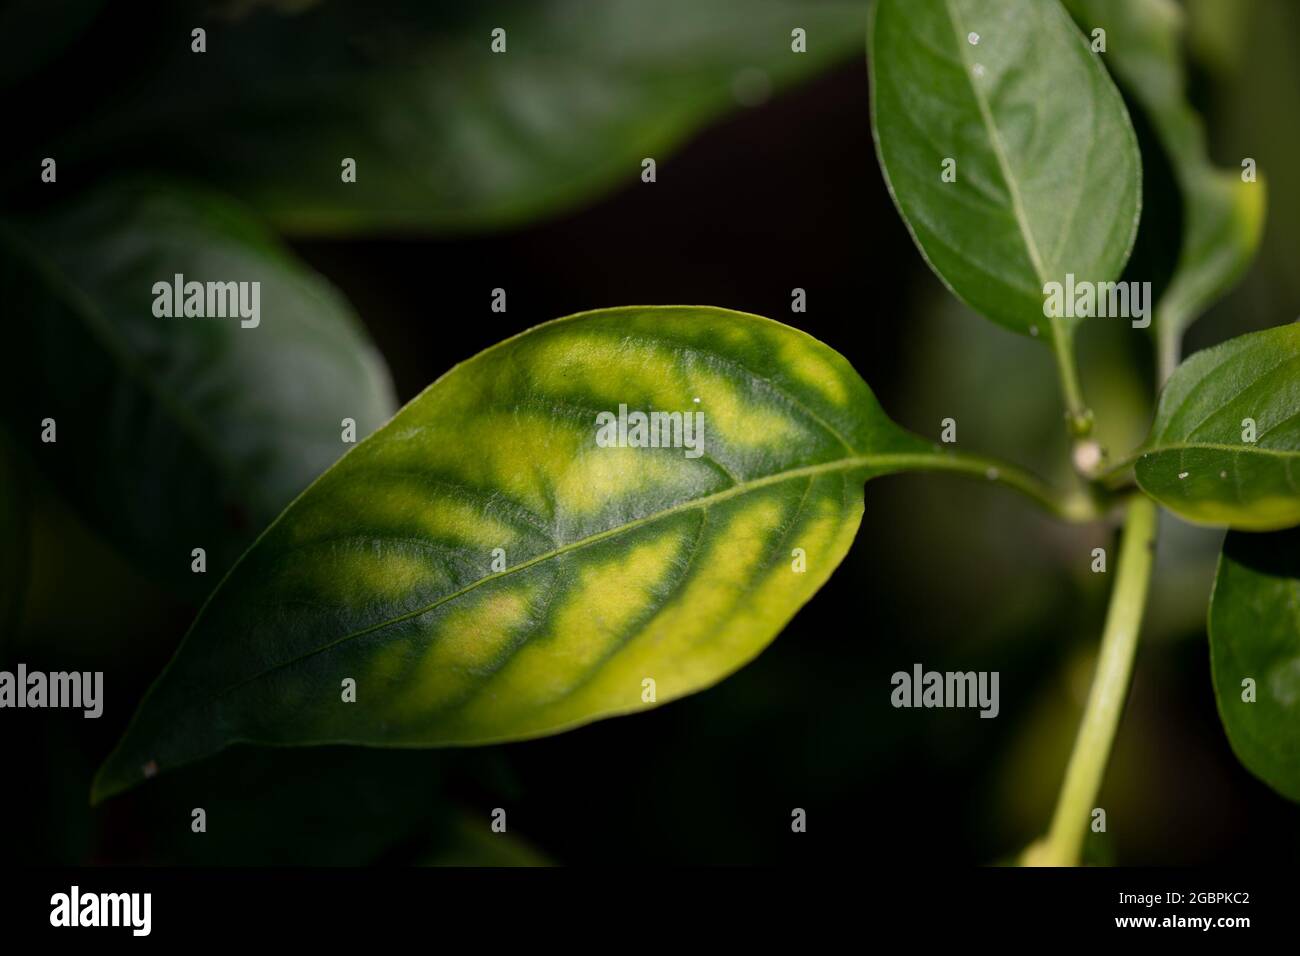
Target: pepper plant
{"x": 485, "y": 568}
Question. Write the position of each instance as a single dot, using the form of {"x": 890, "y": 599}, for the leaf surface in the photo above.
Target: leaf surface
{"x": 182, "y": 432}
{"x": 447, "y": 134}
{"x": 1223, "y": 216}
{"x": 616, "y": 565}
{"x": 1048, "y": 176}
{"x": 467, "y": 840}
{"x": 1255, "y": 635}
{"x": 1198, "y": 461}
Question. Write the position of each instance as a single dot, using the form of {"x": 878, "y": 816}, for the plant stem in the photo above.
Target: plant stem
{"x": 1074, "y": 508}
{"x": 1110, "y": 684}
{"x": 1167, "y": 347}
{"x": 1077, "y": 413}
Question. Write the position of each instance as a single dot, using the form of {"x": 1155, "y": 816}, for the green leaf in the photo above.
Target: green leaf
{"x": 271, "y": 807}
{"x": 447, "y": 134}
{"x": 1217, "y": 32}
{"x": 621, "y": 564}
{"x": 467, "y": 840}
{"x": 1048, "y": 176}
{"x": 176, "y": 433}
{"x": 1199, "y": 462}
{"x": 1223, "y": 217}
{"x": 1255, "y": 636}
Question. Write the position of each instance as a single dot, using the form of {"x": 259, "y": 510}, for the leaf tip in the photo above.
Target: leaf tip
{"x": 110, "y": 780}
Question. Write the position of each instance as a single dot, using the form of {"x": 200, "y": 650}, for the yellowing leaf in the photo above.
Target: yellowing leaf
{"x": 488, "y": 567}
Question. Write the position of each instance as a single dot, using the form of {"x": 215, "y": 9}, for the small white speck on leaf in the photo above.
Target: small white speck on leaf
{"x": 1182, "y": 475}
{"x": 978, "y": 69}
{"x": 973, "y": 38}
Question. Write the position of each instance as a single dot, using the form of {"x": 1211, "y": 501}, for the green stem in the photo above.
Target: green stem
{"x": 1167, "y": 347}
{"x": 1077, "y": 412}
{"x": 1087, "y": 765}
{"x": 1074, "y": 508}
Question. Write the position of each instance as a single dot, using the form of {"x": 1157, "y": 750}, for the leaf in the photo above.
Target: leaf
{"x": 176, "y": 433}
{"x": 1217, "y": 32}
{"x": 1048, "y": 176}
{"x": 467, "y": 840}
{"x": 272, "y": 806}
{"x": 448, "y": 135}
{"x": 1223, "y": 218}
{"x": 621, "y": 564}
{"x": 1198, "y": 461}
{"x": 1255, "y": 635}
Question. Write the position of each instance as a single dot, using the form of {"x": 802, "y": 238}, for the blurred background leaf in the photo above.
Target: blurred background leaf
{"x": 113, "y": 617}
{"x": 447, "y": 134}
{"x": 33, "y": 32}
{"x": 309, "y": 807}
{"x": 319, "y": 806}
{"x": 1252, "y": 97}
{"x": 467, "y": 840}
{"x": 1217, "y": 31}
{"x": 177, "y": 433}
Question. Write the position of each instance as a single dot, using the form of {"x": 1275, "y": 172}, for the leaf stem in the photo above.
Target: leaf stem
{"x": 1168, "y": 347}
{"x": 1119, "y": 476}
{"x": 1075, "y": 508}
{"x": 1109, "y": 690}
{"x": 1077, "y": 414}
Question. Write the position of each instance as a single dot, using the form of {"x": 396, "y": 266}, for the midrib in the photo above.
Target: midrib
{"x": 886, "y": 461}
{"x": 1216, "y": 446}
{"x": 1000, "y": 153}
